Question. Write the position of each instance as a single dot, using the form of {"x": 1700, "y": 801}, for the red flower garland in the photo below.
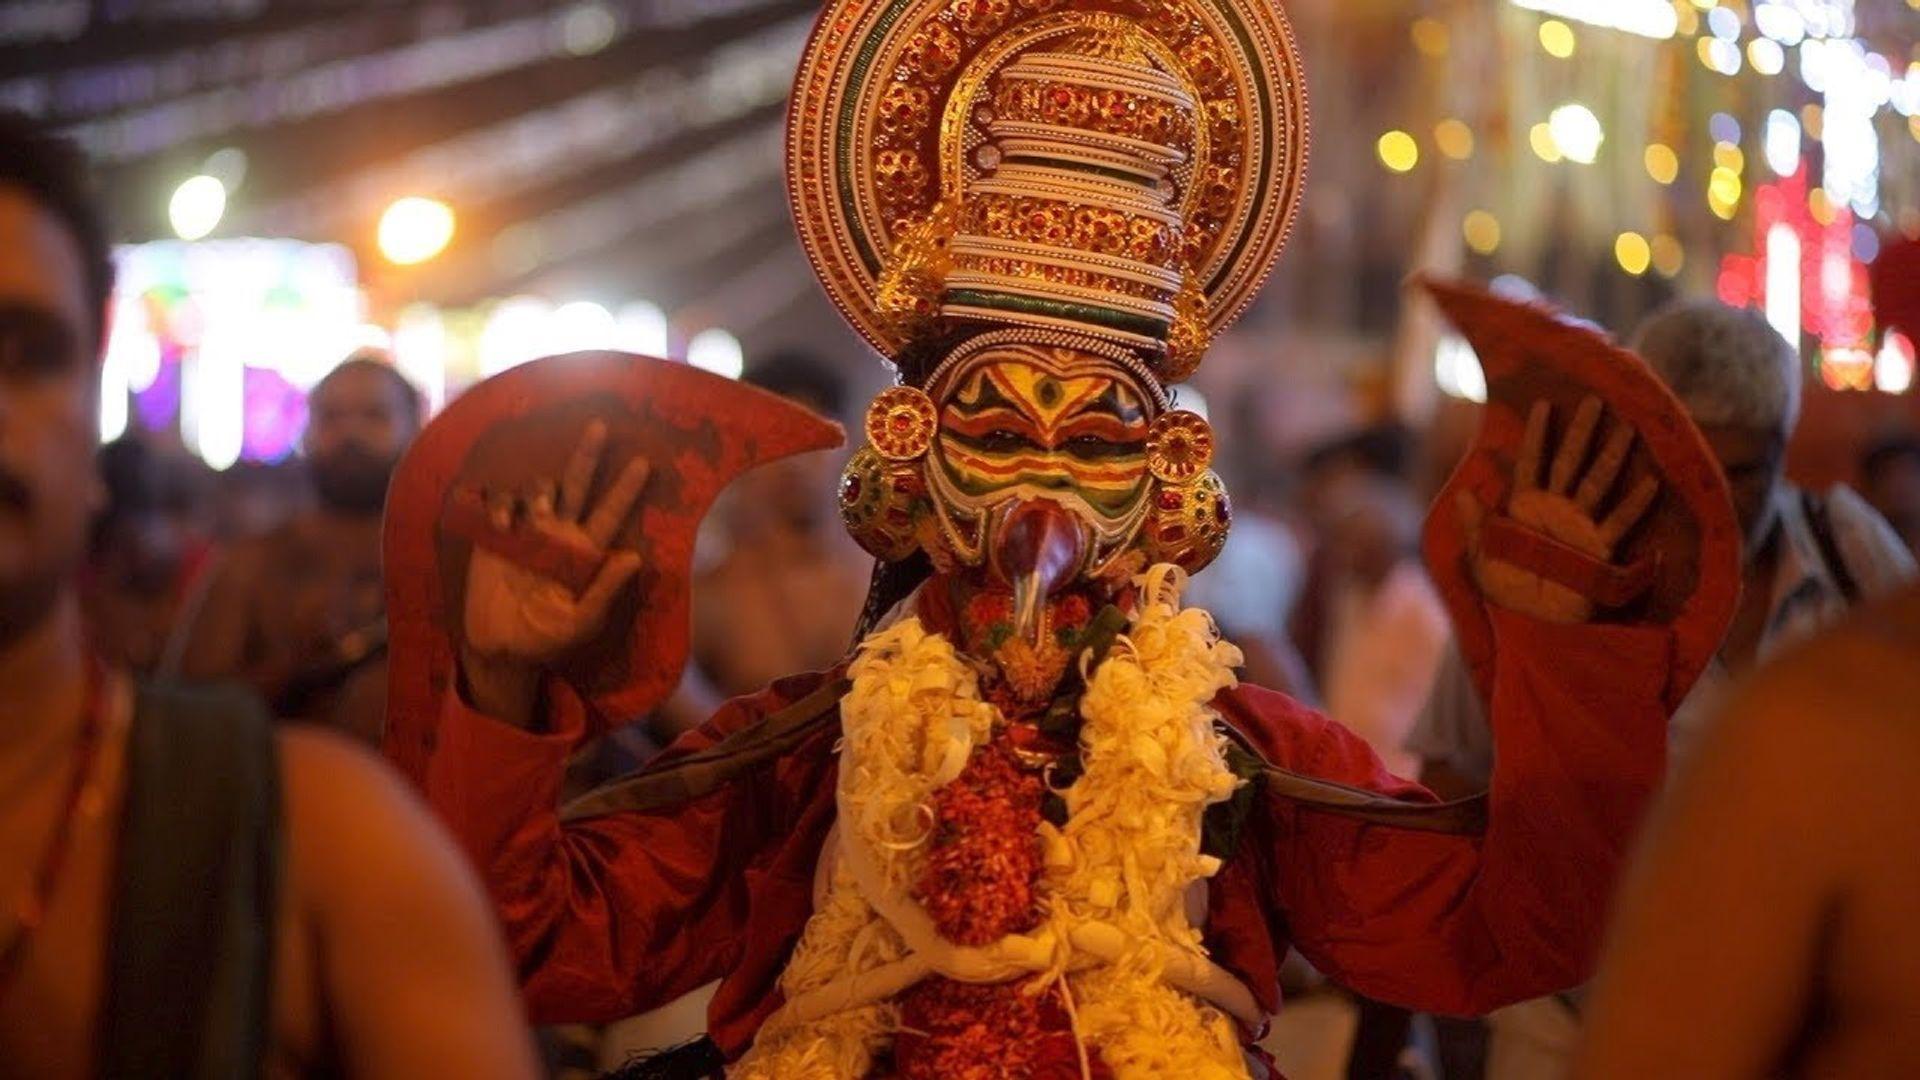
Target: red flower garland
{"x": 982, "y": 877}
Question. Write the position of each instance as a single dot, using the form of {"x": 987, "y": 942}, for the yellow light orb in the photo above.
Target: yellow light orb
{"x": 1431, "y": 37}
{"x": 1398, "y": 151}
{"x": 1723, "y": 193}
{"x": 1668, "y": 256}
{"x": 1482, "y": 232}
{"x": 415, "y": 229}
{"x": 1633, "y": 253}
{"x": 1821, "y": 206}
{"x": 1557, "y": 38}
{"x": 1913, "y": 122}
{"x": 1454, "y": 138}
{"x": 1728, "y": 156}
{"x": 1540, "y": 137}
{"x": 1811, "y": 117}
{"x": 197, "y": 206}
{"x": 1662, "y": 163}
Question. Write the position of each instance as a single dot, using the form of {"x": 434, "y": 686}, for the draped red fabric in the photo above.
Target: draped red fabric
{"x": 613, "y": 915}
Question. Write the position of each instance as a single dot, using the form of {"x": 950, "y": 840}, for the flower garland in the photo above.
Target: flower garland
{"x": 1125, "y": 860}
{"x": 1130, "y": 850}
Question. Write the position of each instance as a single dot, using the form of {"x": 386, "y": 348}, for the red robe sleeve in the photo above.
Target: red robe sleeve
{"x": 611, "y": 915}
{"x": 1463, "y": 924}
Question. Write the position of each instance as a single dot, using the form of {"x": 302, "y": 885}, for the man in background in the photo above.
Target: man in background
{"x": 1807, "y": 559}
{"x": 786, "y": 585}
{"x": 300, "y": 613}
{"x": 183, "y": 892}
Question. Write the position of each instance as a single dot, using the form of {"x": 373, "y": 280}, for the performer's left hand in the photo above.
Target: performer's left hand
{"x": 519, "y": 621}
{"x": 1565, "y": 505}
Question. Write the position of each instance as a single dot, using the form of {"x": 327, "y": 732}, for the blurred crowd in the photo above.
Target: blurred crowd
{"x": 270, "y": 575}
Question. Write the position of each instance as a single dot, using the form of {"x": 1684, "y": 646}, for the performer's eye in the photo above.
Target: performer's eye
{"x": 1003, "y": 440}
{"x": 1087, "y": 444}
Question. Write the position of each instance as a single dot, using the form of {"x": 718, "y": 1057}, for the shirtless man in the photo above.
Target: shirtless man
{"x": 299, "y": 614}
{"x": 1768, "y": 928}
{"x": 182, "y": 893}
{"x": 784, "y": 594}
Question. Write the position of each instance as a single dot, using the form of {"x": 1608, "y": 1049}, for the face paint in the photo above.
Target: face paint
{"x": 1020, "y": 423}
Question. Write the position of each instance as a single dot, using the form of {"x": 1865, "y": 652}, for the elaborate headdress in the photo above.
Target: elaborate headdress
{"x": 1111, "y": 177}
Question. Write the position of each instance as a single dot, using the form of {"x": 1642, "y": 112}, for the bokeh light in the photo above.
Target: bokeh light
{"x": 1398, "y": 151}
{"x": 1482, "y": 232}
{"x": 197, "y": 206}
{"x": 1633, "y": 253}
{"x": 415, "y": 229}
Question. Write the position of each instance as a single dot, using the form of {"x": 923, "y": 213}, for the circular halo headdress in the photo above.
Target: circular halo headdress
{"x": 1117, "y": 171}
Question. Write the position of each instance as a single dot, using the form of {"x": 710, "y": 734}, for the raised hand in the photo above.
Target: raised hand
{"x": 1565, "y": 505}
{"x": 518, "y": 620}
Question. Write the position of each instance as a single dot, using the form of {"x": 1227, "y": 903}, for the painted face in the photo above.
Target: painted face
{"x": 1019, "y": 423}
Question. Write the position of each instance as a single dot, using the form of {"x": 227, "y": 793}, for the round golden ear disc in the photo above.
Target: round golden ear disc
{"x": 901, "y": 423}
{"x": 1180, "y": 447}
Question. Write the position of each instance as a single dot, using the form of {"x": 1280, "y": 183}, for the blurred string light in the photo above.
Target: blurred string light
{"x": 1766, "y": 56}
{"x": 1893, "y": 367}
{"x": 1431, "y": 36}
{"x": 587, "y": 28}
{"x": 713, "y": 176}
{"x": 197, "y": 206}
{"x": 544, "y": 146}
{"x": 414, "y": 229}
{"x": 1781, "y": 144}
{"x": 1729, "y": 156}
{"x": 1457, "y": 370}
{"x": 1719, "y": 54}
{"x": 1557, "y": 38}
{"x": 1633, "y": 253}
{"x": 1454, "y": 138}
{"x": 581, "y": 326}
{"x": 717, "y": 351}
{"x": 420, "y": 350}
{"x": 1662, "y": 163}
{"x": 1398, "y": 151}
{"x": 1782, "y": 287}
{"x": 1724, "y": 189}
{"x": 1482, "y": 232}
{"x": 1669, "y": 257}
{"x": 1724, "y": 127}
{"x": 1723, "y": 23}
{"x": 1648, "y": 18}
{"x": 1576, "y": 133}
{"x": 267, "y": 81}
{"x": 642, "y": 329}
{"x": 514, "y": 333}
{"x": 1540, "y": 138}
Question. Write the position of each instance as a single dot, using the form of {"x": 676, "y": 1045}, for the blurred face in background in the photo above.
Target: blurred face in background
{"x": 49, "y": 489}
{"x": 360, "y": 420}
{"x": 1754, "y": 461}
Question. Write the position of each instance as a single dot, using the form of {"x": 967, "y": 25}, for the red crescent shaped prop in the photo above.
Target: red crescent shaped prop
{"x": 698, "y": 431}
{"x": 1680, "y": 566}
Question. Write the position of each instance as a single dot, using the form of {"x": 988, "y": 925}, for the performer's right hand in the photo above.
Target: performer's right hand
{"x": 519, "y": 621}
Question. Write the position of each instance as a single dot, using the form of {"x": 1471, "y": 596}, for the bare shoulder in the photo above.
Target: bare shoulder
{"x": 1849, "y": 699}
{"x": 348, "y": 811}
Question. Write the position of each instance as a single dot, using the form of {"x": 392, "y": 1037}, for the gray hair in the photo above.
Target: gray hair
{"x": 1726, "y": 365}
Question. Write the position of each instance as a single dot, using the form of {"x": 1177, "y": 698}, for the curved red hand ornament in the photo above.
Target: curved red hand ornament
{"x": 1675, "y": 543}
{"x": 697, "y": 432}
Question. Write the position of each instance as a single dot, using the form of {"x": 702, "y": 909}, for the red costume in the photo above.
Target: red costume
{"x": 619, "y": 913}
